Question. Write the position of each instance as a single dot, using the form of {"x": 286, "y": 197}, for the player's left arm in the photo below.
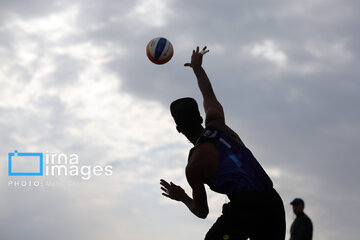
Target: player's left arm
{"x": 201, "y": 166}
{"x": 197, "y": 205}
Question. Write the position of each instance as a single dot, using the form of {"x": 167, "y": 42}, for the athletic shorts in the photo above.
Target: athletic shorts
{"x": 254, "y": 215}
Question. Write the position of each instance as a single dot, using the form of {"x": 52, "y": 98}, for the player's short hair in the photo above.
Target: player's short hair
{"x": 185, "y": 112}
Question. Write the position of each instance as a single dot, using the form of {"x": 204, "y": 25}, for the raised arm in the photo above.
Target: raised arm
{"x": 213, "y": 109}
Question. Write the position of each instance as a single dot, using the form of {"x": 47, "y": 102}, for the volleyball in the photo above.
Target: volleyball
{"x": 159, "y": 50}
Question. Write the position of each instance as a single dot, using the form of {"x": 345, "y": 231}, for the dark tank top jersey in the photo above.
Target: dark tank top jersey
{"x": 238, "y": 170}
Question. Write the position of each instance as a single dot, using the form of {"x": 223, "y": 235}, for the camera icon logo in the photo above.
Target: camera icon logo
{"x": 25, "y": 164}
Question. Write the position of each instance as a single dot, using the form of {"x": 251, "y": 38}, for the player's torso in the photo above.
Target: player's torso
{"x": 235, "y": 169}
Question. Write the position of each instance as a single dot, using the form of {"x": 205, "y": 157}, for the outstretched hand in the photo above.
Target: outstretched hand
{"x": 172, "y": 191}
{"x": 196, "y": 58}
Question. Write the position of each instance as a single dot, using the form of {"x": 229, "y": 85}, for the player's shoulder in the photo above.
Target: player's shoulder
{"x": 204, "y": 160}
{"x": 209, "y": 134}
{"x": 225, "y": 129}
{"x": 202, "y": 151}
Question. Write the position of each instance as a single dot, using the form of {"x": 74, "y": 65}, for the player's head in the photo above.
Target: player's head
{"x": 298, "y": 205}
{"x": 185, "y": 112}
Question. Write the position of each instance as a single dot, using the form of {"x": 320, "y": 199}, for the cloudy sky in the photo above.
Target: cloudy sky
{"x": 75, "y": 80}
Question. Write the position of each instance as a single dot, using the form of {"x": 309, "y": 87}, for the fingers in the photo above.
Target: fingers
{"x": 166, "y": 195}
{"x": 164, "y": 183}
{"x": 204, "y": 51}
{"x": 196, "y": 54}
{"x": 165, "y": 187}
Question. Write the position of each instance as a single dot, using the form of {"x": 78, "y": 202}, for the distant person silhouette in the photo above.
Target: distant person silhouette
{"x": 302, "y": 227}
{"x": 220, "y": 159}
